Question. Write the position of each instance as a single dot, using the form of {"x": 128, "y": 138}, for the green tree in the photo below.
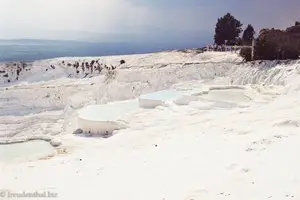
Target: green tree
{"x": 248, "y": 35}
{"x": 228, "y": 28}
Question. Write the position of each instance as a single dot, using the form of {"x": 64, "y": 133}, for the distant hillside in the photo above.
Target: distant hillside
{"x": 86, "y": 67}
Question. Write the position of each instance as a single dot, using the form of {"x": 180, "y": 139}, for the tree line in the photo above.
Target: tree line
{"x": 270, "y": 44}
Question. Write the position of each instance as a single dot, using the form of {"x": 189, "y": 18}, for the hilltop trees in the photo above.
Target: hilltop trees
{"x": 276, "y": 44}
{"x": 227, "y": 30}
{"x": 271, "y": 44}
{"x": 248, "y": 35}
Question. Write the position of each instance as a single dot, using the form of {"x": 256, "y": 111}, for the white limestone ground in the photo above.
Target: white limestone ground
{"x": 235, "y": 136}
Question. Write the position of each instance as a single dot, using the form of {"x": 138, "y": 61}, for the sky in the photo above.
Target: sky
{"x": 165, "y": 21}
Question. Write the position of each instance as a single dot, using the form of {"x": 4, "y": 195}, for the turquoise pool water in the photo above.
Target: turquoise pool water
{"x": 108, "y": 112}
{"x": 162, "y": 95}
{"x": 25, "y": 151}
{"x": 112, "y": 111}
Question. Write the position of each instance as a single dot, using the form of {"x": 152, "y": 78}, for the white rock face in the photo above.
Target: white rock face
{"x": 229, "y": 144}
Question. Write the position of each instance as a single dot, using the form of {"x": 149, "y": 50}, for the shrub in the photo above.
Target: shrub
{"x": 294, "y": 29}
{"x": 276, "y": 44}
{"x": 265, "y": 50}
{"x": 82, "y": 66}
{"x": 246, "y": 53}
{"x": 289, "y": 52}
{"x": 297, "y": 23}
{"x": 273, "y": 44}
{"x": 92, "y": 62}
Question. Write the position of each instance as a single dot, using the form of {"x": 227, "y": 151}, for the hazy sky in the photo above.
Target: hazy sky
{"x": 138, "y": 20}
